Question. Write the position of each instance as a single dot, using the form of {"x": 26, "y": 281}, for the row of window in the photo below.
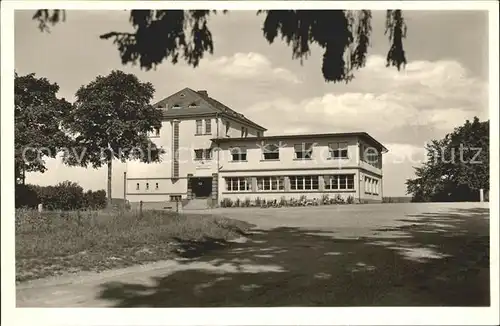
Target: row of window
{"x": 297, "y": 182}
{"x": 271, "y": 152}
{"x": 371, "y": 186}
{"x": 138, "y": 186}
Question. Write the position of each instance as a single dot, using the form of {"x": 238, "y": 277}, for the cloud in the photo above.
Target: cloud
{"x": 248, "y": 66}
{"x": 437, "y": 96}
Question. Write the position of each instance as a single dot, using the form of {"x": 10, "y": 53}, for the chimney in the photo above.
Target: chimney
{"x": 203, "y": 92}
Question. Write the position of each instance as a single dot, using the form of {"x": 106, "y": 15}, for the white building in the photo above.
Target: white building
{"x": 222, "y": 154}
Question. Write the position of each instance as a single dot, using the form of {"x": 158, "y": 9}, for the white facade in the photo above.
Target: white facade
{"x": 224, "y": 155}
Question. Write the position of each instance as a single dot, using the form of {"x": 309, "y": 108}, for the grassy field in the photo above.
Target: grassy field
{"x": 54, "y": 243}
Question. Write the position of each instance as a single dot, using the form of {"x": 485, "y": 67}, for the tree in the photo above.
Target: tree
{"x": 457, "y": 166}
{"x": 37, "y": 121}
{"x": 110, "y": 119}
{"x": 169, "y": 34}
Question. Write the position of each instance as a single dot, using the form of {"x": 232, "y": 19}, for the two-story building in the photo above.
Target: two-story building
{"x": 214, "y": 152}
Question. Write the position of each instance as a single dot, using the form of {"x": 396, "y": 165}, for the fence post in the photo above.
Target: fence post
{"x": 481, "y": 195}
{"x": 40, "y": 208}
{"x": 177, "y": 205}
{"x": 140, "y": 208}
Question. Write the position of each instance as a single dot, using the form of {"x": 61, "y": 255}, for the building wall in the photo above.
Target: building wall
{"x": 320, "y": 157}
{"x": 166, "y": 188}
{"x": 161, "y": 172}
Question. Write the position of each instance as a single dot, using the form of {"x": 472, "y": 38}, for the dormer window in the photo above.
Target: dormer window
{"x": 193, "y": 105}
{"x": 176, "y": 106}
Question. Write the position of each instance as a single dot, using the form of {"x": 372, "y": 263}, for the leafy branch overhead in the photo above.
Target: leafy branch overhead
{"x": 174, "y": 34}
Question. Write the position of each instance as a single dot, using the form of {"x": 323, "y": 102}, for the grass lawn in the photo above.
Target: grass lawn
{"x": 53, "y": 243}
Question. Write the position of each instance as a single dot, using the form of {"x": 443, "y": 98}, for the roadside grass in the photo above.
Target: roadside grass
{"x": 54, "y": 243}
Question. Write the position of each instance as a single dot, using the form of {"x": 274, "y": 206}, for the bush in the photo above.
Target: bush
{"x": 350, "y": 200}
{"x": 95, "y": 199}
{"x": 258, "y": 201}
{"x": 247, "y": 202}
{"x": 283, "y": 201}
{"x": 325, "y": 199}
{"x": 237, "y": 203}
{"x": 65, "y": 196}
{"x": 226, "y": 202}
{"x": 339, "y": 199}
{"x": 26, "y": 196}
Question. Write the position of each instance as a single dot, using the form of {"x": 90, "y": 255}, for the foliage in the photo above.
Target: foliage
{"x": 226, "y": 202}
{"x": 110, "y": 120}
{"x": 26, "y": 196}
{"x": 66, "y": 195}
{"x": 37, "y": 117}
{"x": 457, "y": 166}
{"x": 344, "y": 35}
{"x": 95, "y": 200}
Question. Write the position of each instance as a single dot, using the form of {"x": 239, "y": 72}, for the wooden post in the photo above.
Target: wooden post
{"x": 140, "y": 208}
{"x": 481, "y": 195}
{"x": 177, "y": 204}
{"x": 124, "y": 190}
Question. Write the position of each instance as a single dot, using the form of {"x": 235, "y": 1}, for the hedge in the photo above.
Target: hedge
{"x": 66, "y": 195}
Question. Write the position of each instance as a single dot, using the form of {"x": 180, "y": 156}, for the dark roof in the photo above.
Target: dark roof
{"x": 211, "y": 107}
{"x": 302, "y": 136}
{"x": 230, "y": 112}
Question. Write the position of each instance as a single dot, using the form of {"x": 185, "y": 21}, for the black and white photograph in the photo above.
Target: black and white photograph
{"x": 249, "y": 154}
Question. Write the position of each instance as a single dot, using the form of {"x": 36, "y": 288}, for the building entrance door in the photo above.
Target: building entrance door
{"x": 201, "y": 187}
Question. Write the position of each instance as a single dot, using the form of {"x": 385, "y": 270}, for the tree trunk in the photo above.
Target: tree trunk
{"x": 109, "y": 183}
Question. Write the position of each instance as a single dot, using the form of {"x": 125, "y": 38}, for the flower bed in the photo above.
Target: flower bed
{"x": 284, "y": 202}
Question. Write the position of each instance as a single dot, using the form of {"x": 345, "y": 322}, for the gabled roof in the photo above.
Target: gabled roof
{"x": 362, "y": 135}
{"x": 205, "y": 105}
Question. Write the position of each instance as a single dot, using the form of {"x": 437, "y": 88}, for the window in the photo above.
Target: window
{"x": 339, "y": 181}
{"x": 203, "y": 154}
{"x": 270, "y": 183}
{"x": 371, "y": 186}
{"x": 198, "y": 154}
{"x": 193, "y": 105}
{"x": 271, "y": 152}
{"x": 147, "y": 186}
{"x": 304, "y": 182}
{"x": 175, "y": 197}
{"x": 238, "y": 154}
{"x": 238, "y": 184}
{"x": 338, "y": 150}
{"x": 246, "y": 132}
{"x": 242, "y": 131}
{"x": 136, "y": 186}
{"x": 208, "y": 126}
{"x": 303, "y": 151}
{"x": 259, "y": 134}
{"x": 199, "y": 127}
{"x": 156, "y": 186}
{"x": 371, "y": 156}
{"x": 176, "y": 106}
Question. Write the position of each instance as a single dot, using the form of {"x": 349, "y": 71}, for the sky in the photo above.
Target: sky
{"x": 444, "y": 83}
